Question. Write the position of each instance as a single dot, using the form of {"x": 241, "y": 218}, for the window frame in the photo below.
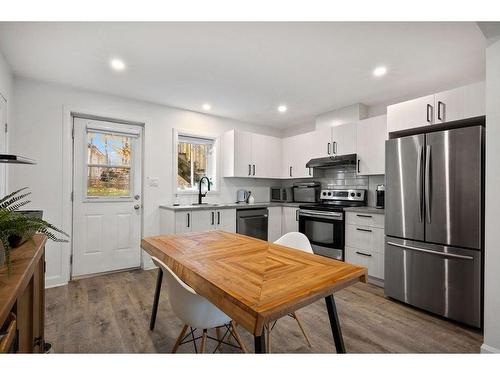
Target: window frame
{"x": 134, "y": 137}
{"x": 187, "y": 133}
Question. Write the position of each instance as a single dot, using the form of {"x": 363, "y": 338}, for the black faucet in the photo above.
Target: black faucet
{"x": 200, "y": 195}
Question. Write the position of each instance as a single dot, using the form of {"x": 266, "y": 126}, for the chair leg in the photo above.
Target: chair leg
{"x": 219, "y": 335}
{"x": 203, "y": 341}
{"x": 295, "y": 316}
{"x": 268, "y": 330}
{"x": 179, "y": 339}
{"x": 238, "y": 337}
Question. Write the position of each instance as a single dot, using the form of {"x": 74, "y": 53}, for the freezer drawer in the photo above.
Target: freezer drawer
{"x": 443, "y": 280}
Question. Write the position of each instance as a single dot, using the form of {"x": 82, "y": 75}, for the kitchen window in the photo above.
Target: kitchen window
{"x": 196, "y": 157}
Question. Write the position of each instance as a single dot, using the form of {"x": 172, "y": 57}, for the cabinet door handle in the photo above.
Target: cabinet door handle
{"x": 254, "y": 169}
{"x": 429, "y": 113}
{"x": 335, "y": 147}
{"x": 296, "y": 215}
{"x": 363, "y": 230}
{"x": 360, "y": 215}
{"x": 290, "y": 171}
{"x": 364, "y": 254}
{"x": 213, "y": 218}
{"x": 358, "y": 167}
{"x": 328, "y": 148}
{"x": 249, "y": 169}
{"x": 188, "y": 219}
{"x": 218, "y": 217}
{"x": 440, "y": 104}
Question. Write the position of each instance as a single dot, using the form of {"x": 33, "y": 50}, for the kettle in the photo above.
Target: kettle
{"x": 241, "y": 196}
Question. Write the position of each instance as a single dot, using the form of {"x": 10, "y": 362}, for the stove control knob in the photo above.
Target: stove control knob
{"x": 324, "y": 193}
{"x": 352, "y": 194}
{"x": 358, "y": 195}
{"x": 329, "y": 193}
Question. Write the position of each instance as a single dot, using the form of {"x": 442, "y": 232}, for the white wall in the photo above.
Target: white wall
{"x": 38, "y": 115}
{"x": 6, "y": 83}
{"x": 492, "y": 234}
{"x": 341, "y": 116}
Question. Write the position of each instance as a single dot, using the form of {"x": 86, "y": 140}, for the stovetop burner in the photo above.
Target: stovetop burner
{"x": 336, "y": 200}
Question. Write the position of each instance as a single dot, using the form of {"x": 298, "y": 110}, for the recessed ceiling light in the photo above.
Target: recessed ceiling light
{"x": 117, "y": 64}
{"x": 379, "y": 71}
{"x": 282, "y": 108}
{"x": 207, "y": 107}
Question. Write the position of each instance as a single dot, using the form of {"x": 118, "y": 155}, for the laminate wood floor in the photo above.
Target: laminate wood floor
{"x": 110, "y": 314}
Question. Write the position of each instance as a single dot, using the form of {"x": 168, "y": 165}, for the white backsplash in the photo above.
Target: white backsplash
{"x": 345, "y": 178}
{"x": 229, "y": 187}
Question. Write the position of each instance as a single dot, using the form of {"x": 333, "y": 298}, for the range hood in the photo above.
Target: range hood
{"x": 332, "y": 161}
{"x": 15, "y": 159}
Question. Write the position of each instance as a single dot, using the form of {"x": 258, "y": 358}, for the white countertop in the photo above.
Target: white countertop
{"x": 211, "y": 206}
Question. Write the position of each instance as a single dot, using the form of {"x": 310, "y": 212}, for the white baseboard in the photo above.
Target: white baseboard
{"x": 486, "y": 349}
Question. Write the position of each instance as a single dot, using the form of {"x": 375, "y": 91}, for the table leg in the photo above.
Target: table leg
{"x": 159, "y": 278}
{"x": 335, "y": 324}
{"x": 260, "y": 343}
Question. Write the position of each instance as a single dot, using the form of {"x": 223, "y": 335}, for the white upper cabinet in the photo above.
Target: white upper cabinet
{"x": 410, "y": 114}
{"x": 451, "y": 105}
{"x": 344, "y": 139}
{"x": 321, "y": 143}
{"x": 296, "y": 154}
{"x": 464, "y": 102}
{"x": 251, "y": 155}
{"x": 371, "y": 135}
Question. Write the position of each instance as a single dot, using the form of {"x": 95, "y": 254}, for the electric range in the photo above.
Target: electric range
{"x": 324, "y": 223}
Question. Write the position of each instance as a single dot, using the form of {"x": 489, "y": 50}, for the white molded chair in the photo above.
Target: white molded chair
{"x": 297, "y": 241}
{"x": 196, "y": 312}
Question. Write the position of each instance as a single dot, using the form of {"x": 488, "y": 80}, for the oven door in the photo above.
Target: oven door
{"x": 325, "y": 231}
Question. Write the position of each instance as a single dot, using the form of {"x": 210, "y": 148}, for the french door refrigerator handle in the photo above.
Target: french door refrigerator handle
{"x": 427, "y": 192}
{"x": 430, "y": 251}
{"x": 419, "y": 182}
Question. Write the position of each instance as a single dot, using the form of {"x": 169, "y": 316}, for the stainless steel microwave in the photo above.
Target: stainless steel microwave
{"x": 279, "y": 194}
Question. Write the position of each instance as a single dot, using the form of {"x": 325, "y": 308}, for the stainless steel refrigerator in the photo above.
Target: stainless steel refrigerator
{"x": 434, "y": 222}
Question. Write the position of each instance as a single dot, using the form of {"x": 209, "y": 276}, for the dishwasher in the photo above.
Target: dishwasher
{"x": 252, "y": 222}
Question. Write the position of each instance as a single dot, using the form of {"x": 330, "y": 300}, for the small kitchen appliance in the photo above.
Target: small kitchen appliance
{"x": 279, "y": 194}
{"x": 380, "y": 196}
{"x": 306, "y": 192}
{"x": 241, "y": 196}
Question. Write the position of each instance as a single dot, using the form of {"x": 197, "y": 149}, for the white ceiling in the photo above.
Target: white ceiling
{"x": 245, "y": 70}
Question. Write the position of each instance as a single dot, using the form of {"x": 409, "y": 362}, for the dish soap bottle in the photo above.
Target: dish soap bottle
{"x": 251, "y": 199}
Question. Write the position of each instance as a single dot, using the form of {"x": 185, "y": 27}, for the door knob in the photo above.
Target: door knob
{"x": 137, "y": 206}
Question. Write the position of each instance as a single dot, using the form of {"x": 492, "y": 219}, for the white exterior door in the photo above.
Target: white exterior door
{"x": 107, "y": 196}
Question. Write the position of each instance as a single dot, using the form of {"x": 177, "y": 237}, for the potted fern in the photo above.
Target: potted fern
{"x": 16, "y": 227}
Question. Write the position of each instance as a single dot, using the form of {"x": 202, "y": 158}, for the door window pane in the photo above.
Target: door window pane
{"x": 108, "y": 149}
{"x": 108, "y": 164}
{"x": 108, "y": 182}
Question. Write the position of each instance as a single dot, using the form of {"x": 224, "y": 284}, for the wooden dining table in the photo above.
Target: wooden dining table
{"x": 252, "y": 281}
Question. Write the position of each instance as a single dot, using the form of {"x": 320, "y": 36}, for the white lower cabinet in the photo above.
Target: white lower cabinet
{"x": 364, "y": 242}
{"x": 274, "y": 223}
{"x": 197, "y": 220}
{"x": 290, "y": 220}
{"x": 226, "y": 220}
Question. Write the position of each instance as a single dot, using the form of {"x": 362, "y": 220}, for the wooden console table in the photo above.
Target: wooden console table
{"x": 22, "y": 299}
